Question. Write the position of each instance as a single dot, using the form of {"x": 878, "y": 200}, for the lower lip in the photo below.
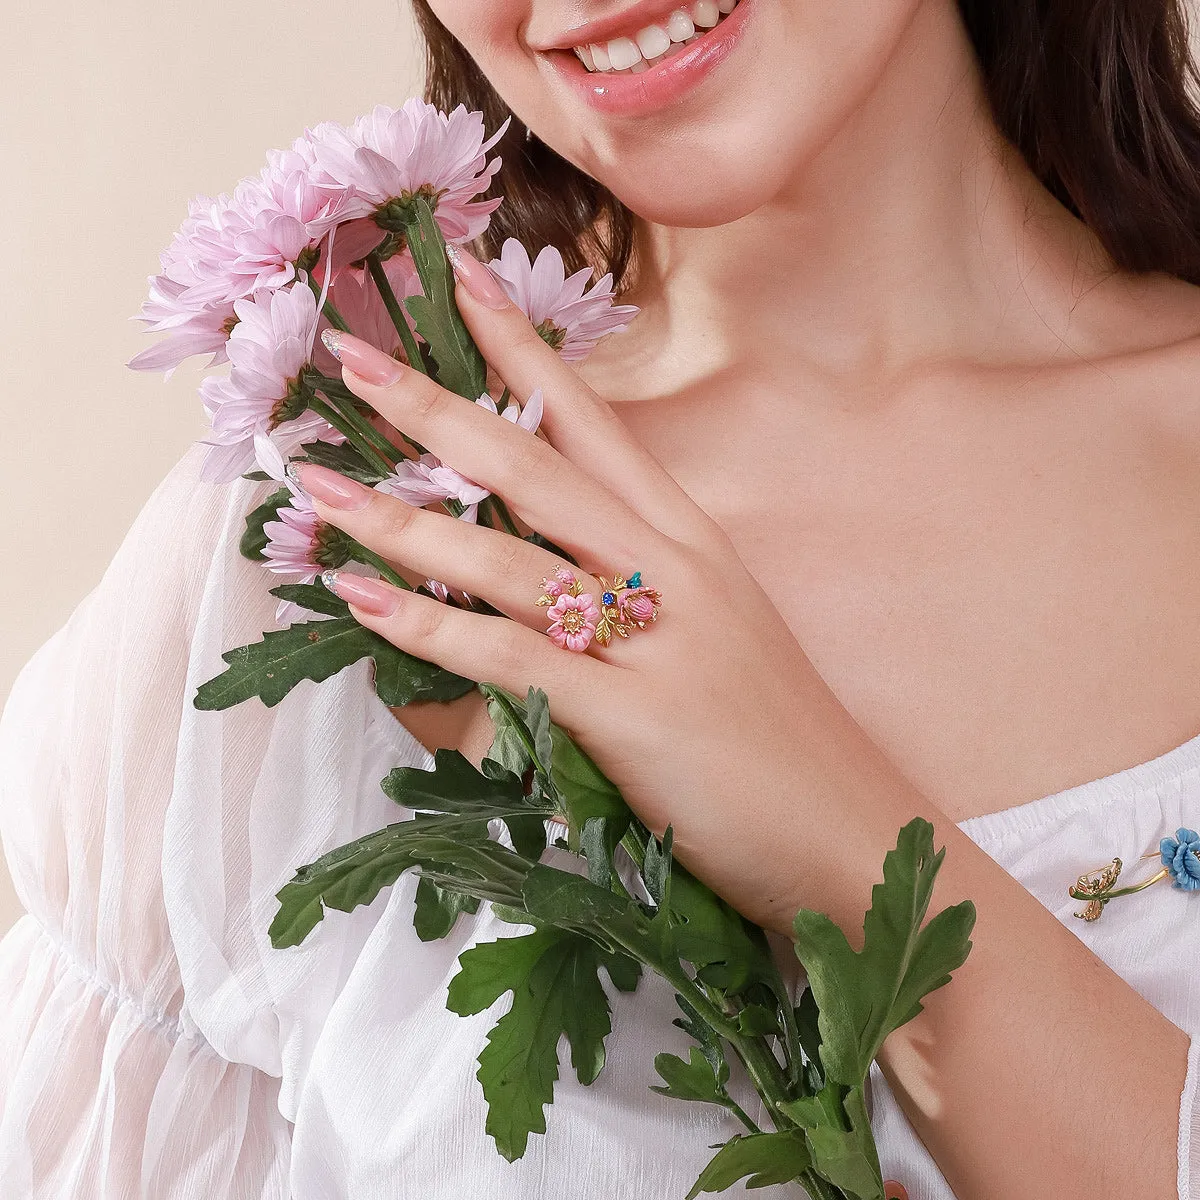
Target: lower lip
{"x": 627, "y": 94}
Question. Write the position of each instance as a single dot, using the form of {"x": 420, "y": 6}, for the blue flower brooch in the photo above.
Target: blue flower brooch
{"x": 1180, "y": 858}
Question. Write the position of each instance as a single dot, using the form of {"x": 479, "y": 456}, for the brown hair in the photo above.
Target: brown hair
{"x": 1098, "y": 95}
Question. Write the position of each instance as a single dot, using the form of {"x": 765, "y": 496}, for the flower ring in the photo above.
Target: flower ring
{"x": 575, "y": 619}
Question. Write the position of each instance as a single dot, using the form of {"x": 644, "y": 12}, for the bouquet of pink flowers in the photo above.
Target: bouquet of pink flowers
{"x": 348, "y": 231}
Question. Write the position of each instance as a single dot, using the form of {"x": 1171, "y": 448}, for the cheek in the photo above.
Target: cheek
{"x": 756, "y": 123}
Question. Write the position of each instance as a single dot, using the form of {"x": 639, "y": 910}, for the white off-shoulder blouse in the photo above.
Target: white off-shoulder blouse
{"x": 154, "y": 1045}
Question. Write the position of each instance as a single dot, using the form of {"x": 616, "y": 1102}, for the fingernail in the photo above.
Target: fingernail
{"x": 362, "y": 358}
{"x": 328, "y": 486}
{"x": 893, "y": 1190}
{"x": 476, "y": 278}
{"x": 371, "y": 595}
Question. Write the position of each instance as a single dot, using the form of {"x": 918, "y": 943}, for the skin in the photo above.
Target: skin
{"x": 937, "y": 494}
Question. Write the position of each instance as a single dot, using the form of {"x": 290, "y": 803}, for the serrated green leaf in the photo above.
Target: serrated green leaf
{"x": 768, "y": 1158}
{"x": 757, "y": 1020}
{"x": 695, "y": 1079}
{"x": 863, "y": 996}
{"x": 342, "y": 458}
{"x": 460, "y": 366}
{"x": 584, "y": 789}
{"x": 656, "y": 870}
{"x": 455, "y": 786}
{"x": 553, "y": 976}
{"x": 316, "y": 597}
{"x": 848, "y": 1158}
{"x": 438, "y": 908}
{"x": 317, "y": 650}
{"x": 343, "y": 879}
{"x": 254, "y": 540}
{"x": 808, "y": 1030}
{"x": 598, "y": 843}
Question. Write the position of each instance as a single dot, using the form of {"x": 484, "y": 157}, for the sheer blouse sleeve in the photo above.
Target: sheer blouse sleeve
{"x": 153, "y": 1043}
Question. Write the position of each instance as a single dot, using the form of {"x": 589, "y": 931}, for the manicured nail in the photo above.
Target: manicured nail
{"x": 362, "y": 358}
{"x": 893, "y": 1190}
{"x": 477, "y": 278}
{"x": 328, "y": 486}
{"x": 371, "y": 595}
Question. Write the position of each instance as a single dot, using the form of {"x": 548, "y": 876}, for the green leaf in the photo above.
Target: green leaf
{"x": 757, "y": 1020}
{"x": 460, "y": 366}
{"x": 342, "y": 458}
{"x": 317, "y": 650}
{"x": 451, "y": 848}
{"x": 254, "y": 540}
{"x": 695, "y": 1079}
{"x": 768, "y": 1158}
{"x": 257, "y": 476}
{"x": 437, "y": 909}
{"x": 809, "y": 1032}
{"x": 343, "y": 879}
{"x": 848, "y": 1158}
{"x": 556, "y": 990}
{"x": 316, "y": 597}
{"x": 863, "y": 996}
{"x": 840, "y": 1139}
{"x": 656, "y": 870}
{"x": 455, "y": 786}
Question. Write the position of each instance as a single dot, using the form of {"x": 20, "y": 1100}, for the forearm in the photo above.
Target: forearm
{"x": 1037, "y": 1071}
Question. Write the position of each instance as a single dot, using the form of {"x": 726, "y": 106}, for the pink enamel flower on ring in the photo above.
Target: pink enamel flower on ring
{"x": 573, "y": 621}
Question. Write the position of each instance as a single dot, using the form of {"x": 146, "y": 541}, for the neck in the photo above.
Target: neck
{"x": 916, "y": 233}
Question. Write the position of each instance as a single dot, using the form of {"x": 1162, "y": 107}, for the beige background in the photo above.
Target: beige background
{"x": 115, "y": 114}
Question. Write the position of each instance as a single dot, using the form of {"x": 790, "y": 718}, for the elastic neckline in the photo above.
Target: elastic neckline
{"x": 1129, "y": 783}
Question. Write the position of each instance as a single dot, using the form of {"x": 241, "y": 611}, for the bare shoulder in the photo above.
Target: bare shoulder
{"x": 1157, "y": 366}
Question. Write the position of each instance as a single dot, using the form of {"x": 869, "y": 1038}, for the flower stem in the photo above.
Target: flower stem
{"x": 346, "y": 403}
{"x": 334, "y": 317}
{"x": 340, "y": 422}
{"x": 385, "y": 570}
{"x": 411, "y": 351}
{"x": 1137, "y": 887}
{"x": 497, "y": 508}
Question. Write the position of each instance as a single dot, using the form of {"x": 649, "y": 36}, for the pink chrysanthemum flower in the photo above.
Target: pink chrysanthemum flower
{"x": 573, "y": 621}
{"x": 228, "y": 248}
{"x": 569, "y": 318}
{"x": 355, "y": 296}
{"x": 394, "y": 154}
{"x": 268, "y": 348}
{"x": 299, "y": 544}
{"x": 427, "y": 479}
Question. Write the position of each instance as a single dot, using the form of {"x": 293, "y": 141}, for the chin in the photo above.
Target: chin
{"x": 709, "y": 132}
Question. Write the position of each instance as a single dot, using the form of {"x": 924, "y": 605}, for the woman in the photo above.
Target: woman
{"x": 906, "y": 435}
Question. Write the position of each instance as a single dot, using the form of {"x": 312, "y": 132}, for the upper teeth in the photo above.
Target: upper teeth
{"x": 655, "y": 42}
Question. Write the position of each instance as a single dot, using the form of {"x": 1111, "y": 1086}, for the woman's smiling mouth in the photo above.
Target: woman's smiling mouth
{"x": 656, "y": 41}
{"x": 628, "y": 66}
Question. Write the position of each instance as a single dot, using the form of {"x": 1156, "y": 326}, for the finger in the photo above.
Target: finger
{"x": 488, "y": 563}
{"x": 484, "y": 648}
{"x": 577, "y": 421}
{"x": 893, "y": 1190}
{"x": 546, "y": 490}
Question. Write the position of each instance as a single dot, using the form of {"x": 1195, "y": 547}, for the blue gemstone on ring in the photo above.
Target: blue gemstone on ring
{"x": 609, "y": 598}
{"x": 635, "y": 580}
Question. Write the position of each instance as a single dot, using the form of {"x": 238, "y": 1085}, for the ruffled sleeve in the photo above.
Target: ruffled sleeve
{"x": 154, "y": 1043}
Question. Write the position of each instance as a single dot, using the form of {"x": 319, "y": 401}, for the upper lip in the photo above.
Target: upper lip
{"x": 622, "y": 24}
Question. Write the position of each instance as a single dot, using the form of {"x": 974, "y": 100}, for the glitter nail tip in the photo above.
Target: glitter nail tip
{"x": 333, "y": 342}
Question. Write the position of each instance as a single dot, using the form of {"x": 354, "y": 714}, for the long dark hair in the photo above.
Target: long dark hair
{"x": 1100, "y": 96}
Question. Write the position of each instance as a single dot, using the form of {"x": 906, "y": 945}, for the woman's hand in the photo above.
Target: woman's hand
{"x": 702, "y": 717}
